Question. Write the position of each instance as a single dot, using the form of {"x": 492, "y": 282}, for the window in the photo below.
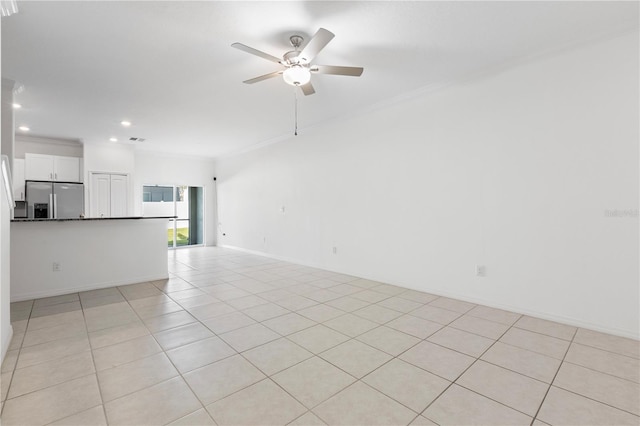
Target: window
{"x": 158, "y": 194}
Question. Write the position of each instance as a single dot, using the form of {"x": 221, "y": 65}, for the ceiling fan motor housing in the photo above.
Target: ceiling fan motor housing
{"x": 292, "y": 58}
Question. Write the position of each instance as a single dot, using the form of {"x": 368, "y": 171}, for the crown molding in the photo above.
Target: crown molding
{"x": 48, "y": 140}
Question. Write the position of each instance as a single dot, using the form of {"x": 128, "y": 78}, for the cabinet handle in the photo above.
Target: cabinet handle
{"x": 56, "y": 176}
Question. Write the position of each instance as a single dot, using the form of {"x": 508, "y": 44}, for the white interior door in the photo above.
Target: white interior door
{"x": 119, "y": 195}
{"x": 100, "y": 195}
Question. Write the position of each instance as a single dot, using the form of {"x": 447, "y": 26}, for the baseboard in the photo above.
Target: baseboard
{"x": 630, "y": 334}
{"x": 60, "y": 291}
{"x": 542, "y": 315}
{"x": 273, "y": 256}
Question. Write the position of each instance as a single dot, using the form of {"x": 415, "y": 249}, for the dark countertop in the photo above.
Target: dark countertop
{"x": 78, "y": 219}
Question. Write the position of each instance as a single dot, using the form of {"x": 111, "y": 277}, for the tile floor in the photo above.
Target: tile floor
{"x": 233, "y": 338}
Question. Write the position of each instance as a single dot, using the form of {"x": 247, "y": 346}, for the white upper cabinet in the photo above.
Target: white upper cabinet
{"x": 52, "y": 168}
{"x": 38, "y": 167}
{"x": 66, "y": 169}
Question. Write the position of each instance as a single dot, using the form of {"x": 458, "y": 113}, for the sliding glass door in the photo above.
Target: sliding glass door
{"x": 181, "y": 224}
{"x": 184, "y": 202}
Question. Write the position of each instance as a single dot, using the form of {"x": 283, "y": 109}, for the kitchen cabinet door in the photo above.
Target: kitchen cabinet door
{"x": 66, "y": 169}
{"x": 38, "y": 167}
{"x": 18, "y": 179}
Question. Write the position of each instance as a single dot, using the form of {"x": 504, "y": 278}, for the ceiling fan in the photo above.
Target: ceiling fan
{"x": 297, "y": 63}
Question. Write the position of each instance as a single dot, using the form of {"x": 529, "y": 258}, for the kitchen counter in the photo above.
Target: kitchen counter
{"x": 82, "y": 219}
{"x": 50, "y": 257}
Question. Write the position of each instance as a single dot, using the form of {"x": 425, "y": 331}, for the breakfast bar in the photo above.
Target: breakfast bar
{"x": 50, "y": 257}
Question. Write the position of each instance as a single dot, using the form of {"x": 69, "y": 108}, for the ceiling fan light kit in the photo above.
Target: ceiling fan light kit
{"x": 297, "y": 75}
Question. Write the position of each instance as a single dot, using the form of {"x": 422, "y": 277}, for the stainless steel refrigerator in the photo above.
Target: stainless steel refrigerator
{"x": 54, "y": 200}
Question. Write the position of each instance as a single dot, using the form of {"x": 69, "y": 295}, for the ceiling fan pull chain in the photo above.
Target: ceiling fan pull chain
{"x": 295, "y": 108}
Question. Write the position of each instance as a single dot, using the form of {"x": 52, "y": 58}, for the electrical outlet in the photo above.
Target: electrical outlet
{"x": 56, "y": 267}
{"x": 335, "y": 250}
{"x": 481, "y": 270}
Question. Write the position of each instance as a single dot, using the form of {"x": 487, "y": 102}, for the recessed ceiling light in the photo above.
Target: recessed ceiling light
{"x": 113, "y": 139}
{"x": 17, "y": 106}
{"x": 24, "y": 128}
{"x": 125, "y": 123}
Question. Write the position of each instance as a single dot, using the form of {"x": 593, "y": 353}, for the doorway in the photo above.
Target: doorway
{"x": 184, "y": 202}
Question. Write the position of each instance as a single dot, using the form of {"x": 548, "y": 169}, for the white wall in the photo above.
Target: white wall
{"x": 6, "y": 330}
{"x": 91, "y": 253}
{"x": 514, "y": 171}
{"x": 160, "y": 169}
{"x": 7, "y": 147}
{"x": 49, "y": 146}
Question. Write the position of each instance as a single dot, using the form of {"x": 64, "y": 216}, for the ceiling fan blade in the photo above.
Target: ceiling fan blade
{"x": 316, "y": 44}
{"x": 263, "y": 77}
{"x": 308, "y": 89}
{"x": 256, "y": 52}
{"x": 331, "y": 69}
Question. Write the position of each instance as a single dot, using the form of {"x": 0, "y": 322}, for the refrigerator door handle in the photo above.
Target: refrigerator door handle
{"x": 50, "y": 210}
{"x": 55, "y": 206}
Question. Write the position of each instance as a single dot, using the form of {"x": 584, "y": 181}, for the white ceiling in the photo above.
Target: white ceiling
{"x": 169, "y": 68}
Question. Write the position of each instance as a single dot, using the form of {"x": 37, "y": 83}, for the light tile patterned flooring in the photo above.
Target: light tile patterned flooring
{"x": 233, "y": 338}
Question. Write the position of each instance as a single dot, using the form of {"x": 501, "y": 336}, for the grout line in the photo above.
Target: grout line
{"x": 497, "y": 402}
{"x": 605, "y": 350}
{"x": 301, "y": 415}
{"x": 15, "y": 366}
{"x": 601, "y": 372}
{"x": 599, "y": 402}
{"x": 255, "y": 366}
{"x": 518, "y": 372}
{"x": 535, "y": 351}
{"x": 464, "y": 371}
{"x": 94, "y": 373}
{"x": 554, "y": 378}
{"x": 270, "y": 377}
{"x": 547, "y": 335}
{"x": 179, "y": 374}
{"x": 93, "y": 360}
